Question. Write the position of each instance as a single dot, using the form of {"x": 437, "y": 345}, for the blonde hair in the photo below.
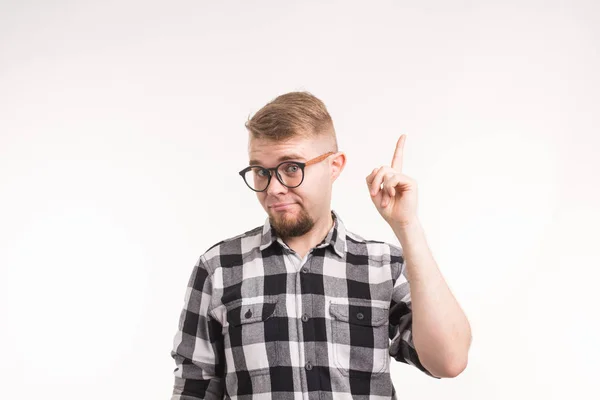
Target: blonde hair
{"x": 291, "y": 115}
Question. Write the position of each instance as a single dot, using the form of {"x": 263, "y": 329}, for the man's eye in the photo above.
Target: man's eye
{"x": 263, "y": 173}
{"x": 291, "y": 168}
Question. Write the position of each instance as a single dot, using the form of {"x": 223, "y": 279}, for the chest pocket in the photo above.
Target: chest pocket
{"x": 252, "y": 336}
{"x": 360, "y": 338}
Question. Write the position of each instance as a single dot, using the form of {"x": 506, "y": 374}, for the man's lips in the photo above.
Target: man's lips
{"x": 280, "y": 206}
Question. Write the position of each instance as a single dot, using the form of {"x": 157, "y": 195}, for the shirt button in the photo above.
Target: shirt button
{"x": 304, "y": 317}
{"x": 304, "y": 269}
{"x": 360, "y": 315}
{"x": 308, "y": 366}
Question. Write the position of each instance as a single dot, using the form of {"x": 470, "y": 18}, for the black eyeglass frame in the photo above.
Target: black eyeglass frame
{"x": 302, "y": 165}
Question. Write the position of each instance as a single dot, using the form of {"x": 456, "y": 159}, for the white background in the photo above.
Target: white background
{"x": 121, "y": 134}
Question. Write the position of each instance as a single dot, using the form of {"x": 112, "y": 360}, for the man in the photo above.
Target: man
{"x": 301, "y": 308}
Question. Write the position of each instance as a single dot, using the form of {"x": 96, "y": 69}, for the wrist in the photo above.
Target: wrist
{"x": 407, "y": 224}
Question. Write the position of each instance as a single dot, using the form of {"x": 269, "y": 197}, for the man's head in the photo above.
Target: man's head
{"x": 294, "y": 127}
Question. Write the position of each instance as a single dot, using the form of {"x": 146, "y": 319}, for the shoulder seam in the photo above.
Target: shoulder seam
{"x": 229, "y": 239}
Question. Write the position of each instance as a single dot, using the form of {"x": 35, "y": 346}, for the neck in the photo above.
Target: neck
{"x": 302, "y": 244}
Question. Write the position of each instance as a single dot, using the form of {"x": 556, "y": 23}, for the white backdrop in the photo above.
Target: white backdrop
{"x": 121, "y": 134}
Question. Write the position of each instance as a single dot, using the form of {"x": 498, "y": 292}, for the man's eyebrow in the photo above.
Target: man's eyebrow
{"x": 287, "y": 157}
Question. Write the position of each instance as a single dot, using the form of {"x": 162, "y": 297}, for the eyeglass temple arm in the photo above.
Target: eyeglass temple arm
{"x": 320, "y": 158}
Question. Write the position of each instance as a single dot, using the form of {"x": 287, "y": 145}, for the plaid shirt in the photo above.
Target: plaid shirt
{"x": 260, "y": 323}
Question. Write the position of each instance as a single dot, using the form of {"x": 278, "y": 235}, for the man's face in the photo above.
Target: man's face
{"x": 294, "y": 211}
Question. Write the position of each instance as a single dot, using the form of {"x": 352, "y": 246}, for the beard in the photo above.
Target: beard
{"x": 288, "y": 225}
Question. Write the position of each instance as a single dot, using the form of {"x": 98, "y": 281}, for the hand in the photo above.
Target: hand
{"x": 396, "y": 201}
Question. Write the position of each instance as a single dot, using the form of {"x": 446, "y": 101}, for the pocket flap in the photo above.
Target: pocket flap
{"x": 248, "y": 313}
{"x": 359, "y": 314}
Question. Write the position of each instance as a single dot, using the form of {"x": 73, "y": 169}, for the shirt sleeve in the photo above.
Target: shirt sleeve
{"x": 198, "y": 344}
{"x": 402, "y": 347}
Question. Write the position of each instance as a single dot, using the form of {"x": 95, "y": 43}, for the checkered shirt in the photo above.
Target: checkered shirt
{"x": 258, "y": 322}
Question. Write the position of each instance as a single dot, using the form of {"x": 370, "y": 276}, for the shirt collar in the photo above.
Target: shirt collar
{"x": 336, "y": 237}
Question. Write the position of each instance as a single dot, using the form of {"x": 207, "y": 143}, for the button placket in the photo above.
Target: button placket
{"x": 305, "y": 268}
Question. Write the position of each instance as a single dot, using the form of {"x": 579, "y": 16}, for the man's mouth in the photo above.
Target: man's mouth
{"x": 281, "y": 206}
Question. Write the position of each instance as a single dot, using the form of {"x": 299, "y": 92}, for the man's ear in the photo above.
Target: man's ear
{"x": 337, "y": 165}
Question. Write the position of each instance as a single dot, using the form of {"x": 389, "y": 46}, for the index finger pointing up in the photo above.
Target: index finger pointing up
{"x": 398, "y": 154}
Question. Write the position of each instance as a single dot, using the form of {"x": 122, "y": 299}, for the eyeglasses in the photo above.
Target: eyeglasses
{"x": 289, "y": 173}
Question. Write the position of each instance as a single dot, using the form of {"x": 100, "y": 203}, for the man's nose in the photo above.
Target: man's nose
{"x": 275, "y": 187}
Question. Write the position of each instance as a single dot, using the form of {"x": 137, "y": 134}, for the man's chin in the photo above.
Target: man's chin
{"x": 290, "y": 224}
{"x": 284, "y": 218}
